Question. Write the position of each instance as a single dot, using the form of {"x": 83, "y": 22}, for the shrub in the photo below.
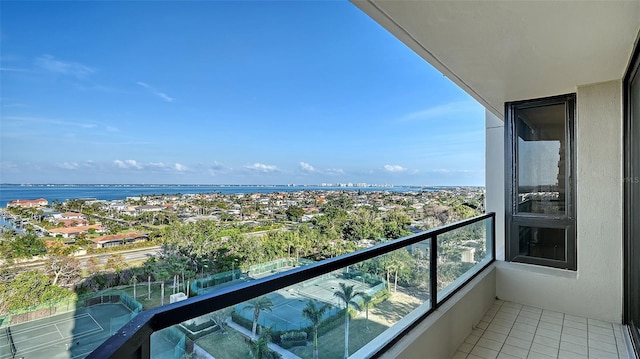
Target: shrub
{"x": 290, "y": 336}
{"x": 329, "y": 323}
{"x": 196, "y": 328}
{"x": 293, "y": 339}
{"x": 242, "y": 321}
{"x": 200, "y": 333}
{"x": 380, "y": 297}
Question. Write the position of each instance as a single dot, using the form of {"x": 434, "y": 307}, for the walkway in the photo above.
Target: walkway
{"x": 276, "y": 348}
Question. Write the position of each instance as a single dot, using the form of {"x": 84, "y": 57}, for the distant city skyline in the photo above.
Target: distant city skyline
{"x": 243, "y": 93}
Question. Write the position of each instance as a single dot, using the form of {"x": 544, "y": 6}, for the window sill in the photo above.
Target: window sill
{"x": 538, "y": 269}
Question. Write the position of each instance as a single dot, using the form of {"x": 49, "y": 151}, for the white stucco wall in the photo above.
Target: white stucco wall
{"x": 494, "y": 175}
{"x": 595, "y": 289}
{"x": 442, "y": 332}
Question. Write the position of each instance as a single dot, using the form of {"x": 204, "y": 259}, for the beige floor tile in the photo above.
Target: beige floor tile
{"x": 484, "y": 352}
{"x": 515, "y": 351}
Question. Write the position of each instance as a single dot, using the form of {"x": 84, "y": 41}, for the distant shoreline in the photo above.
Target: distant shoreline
{"x": 62, "y": 192}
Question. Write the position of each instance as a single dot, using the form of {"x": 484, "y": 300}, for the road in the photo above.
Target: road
{"x": 130, "y": 255}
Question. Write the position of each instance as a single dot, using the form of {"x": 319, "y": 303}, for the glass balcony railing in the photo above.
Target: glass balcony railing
{"x": 335, "y": 307}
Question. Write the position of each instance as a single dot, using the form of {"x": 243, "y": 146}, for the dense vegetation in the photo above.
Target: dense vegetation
{"x": 192, "y": 249}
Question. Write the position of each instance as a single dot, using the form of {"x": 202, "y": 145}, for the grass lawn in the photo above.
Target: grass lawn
{"x": 331, "y": 345}
{"x": 228, "y": 346}
{"x": 381, "y": 317}
{"x": 141, "y": 294}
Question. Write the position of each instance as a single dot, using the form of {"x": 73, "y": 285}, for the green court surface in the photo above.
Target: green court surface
{"x": 69, "y": 335}
{"x": 289, "y": 303}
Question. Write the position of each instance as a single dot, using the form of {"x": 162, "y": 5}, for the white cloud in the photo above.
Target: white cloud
{"x": 133, "y": 164}
{"x": 307, "y": 167}
{"x": 334, "y": 171}
{"x": 49, "y": 121}
{"x": 156, "y": 92}
{"x": 128, "y": 164}
{"x": 216, "y": 168}
{"x": 394, "y": 168}
{"x": 69, "y": 165}
{"x": 261, "y": 167}
{"x": 8, "y": 165}
{"x": 157, "y": 164}
{"x": 76, "y": 165}
{"x": 51, "y": 64}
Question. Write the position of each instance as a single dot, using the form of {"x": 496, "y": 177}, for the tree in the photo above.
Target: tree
{"x": 366, "y": 301}
{"x": 314, "y": 314}
{"x": 219, "y": 318}
{"x": 259, "y": 304}
{"x": 116, "y": 262}
{"x": 92, "y": 265}
{"x": 29, "y": 289}
{"x": 260, "y": 346}
{"x": 64, "y": 270}
{"x": 347, "y": 295}
{"x": 294, "y": 213}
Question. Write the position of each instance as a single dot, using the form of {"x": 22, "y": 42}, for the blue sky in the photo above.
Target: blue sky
{"x": 196, "y": 92}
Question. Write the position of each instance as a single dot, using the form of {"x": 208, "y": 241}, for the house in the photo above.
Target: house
{"x": 560, "y": 82}
{"x": 72, "y": 215}
{"x": 148, "y": 208}
{"x": 119, "y": 239}
{"x": 73, "y": 232}
{"x": 27, "y": 203}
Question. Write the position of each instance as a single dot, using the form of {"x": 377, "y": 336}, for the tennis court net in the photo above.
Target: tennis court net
{"x": 12, "y": 345}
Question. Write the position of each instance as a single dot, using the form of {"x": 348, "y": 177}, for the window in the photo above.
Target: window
{"x": 540, "y": 181}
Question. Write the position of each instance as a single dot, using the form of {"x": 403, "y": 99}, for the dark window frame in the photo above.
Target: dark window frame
{"x": 514, "y": 219}
{"x": 631, "y": 250}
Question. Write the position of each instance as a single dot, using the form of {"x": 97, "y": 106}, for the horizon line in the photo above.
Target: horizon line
{"x": 339, "y": 184}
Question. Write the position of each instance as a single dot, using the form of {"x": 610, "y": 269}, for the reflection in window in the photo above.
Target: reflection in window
{"x": 541, "y": 181}
{"x": 541, "y": 242}
{"x": 541, "y": 159}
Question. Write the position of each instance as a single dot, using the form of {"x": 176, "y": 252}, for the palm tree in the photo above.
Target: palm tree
{"x": 314, "y": 314}
{"x": 348, "y": 296}
{"x": 258, "y": 304}
{"x": 366, "y": 301}
{"x": 259, "y": 348}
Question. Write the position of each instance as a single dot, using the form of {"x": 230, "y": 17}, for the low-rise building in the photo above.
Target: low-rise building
{"x": 28, "y": 203}
{"x": 119, "y": 239}
{"x": 73, "y": 232}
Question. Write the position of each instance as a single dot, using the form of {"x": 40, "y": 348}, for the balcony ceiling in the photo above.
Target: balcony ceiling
{"x": 502, "y": 51}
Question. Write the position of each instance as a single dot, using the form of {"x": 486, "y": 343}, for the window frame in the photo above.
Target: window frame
{"x": 514, "y": 219}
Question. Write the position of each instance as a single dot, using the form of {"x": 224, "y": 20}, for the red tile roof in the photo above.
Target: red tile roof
{"x": 114, "y": 237}
{"x": 79, "y": 229}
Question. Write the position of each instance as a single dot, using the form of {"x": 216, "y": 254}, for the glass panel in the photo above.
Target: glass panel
{"x": 542, "y": 242}
{"x": 379, "y": 292}
{"x": 634, "y": 206}
{"x": 541, "y": 159}
{"x": 462, "y": 253}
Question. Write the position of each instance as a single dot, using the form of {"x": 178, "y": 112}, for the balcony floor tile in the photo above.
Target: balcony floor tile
{"x": 510, "y": 330}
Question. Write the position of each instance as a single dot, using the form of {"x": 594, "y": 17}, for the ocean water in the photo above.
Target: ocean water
{"x": 9, "y": 192}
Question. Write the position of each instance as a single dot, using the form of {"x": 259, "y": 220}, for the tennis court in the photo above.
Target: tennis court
{"x": 69, "y": 335}
{"x": 288, "y": 303}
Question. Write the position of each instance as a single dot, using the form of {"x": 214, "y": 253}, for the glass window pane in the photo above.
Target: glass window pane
{"x": 549, "y": 243}
{"x": 541, "y": 159}
{"x": 462, "y": 253}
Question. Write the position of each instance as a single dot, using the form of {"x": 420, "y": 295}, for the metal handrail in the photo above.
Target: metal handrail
{"x": 133, "y": 339}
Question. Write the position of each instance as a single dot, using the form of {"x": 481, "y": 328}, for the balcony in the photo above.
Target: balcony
{"x": 453, "y": 262}
{"x": 512, "y": 330}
